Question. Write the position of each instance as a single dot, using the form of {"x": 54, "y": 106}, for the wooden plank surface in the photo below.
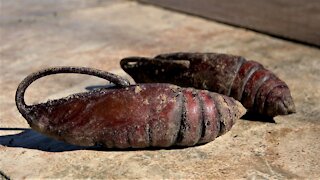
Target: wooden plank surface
{"x": 297, "y": 20}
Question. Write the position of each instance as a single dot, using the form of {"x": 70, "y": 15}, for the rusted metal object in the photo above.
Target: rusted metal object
{"x": 258, "y": 89}
{"x": 130, "y": 116}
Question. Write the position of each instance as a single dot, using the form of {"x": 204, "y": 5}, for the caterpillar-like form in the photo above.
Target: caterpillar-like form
{"x": 258, "y": 89}
{"x": 130, "y": 116}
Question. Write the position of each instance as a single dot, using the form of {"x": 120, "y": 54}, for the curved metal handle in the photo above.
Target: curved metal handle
{"x": 19, "y": 98}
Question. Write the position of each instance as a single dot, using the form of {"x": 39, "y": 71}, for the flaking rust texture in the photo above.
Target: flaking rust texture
{"x": 257, "y": 88}
{"x": 138, "y": 116}
{"x": 40, "y": 34}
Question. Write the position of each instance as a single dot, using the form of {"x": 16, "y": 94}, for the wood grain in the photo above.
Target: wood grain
{"x": 297, "y": 20}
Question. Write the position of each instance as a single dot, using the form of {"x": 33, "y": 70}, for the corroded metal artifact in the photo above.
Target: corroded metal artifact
{"x": 258, "y": 89}
{"x": 130, "y": 116}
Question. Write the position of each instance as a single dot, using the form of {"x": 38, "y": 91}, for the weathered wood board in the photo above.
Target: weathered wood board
{"x": 297, "y": 20}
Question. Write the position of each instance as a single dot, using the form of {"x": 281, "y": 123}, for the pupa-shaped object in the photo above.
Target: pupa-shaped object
{"x": 258, "y": 89}
{"x": 130, "y": 116}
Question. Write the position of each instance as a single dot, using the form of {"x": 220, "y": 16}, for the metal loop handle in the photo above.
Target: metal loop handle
{"x": 20, "y": 102}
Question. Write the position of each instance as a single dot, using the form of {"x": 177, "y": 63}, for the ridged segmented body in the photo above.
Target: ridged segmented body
{"x": 134, "y": 116}
{"x": 258, "y": 89}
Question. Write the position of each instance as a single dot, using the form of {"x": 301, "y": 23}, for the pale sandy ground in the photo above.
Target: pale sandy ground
{"x": 37, "y": 34}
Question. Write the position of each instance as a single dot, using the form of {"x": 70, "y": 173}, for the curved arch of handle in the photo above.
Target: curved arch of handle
{"x": 19, "y": 98}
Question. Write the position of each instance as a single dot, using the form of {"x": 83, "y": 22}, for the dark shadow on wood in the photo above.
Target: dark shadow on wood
{"x": 33, "y": 140}
{"x": 30, "y": 139}
{"x": 257, "y": 117}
